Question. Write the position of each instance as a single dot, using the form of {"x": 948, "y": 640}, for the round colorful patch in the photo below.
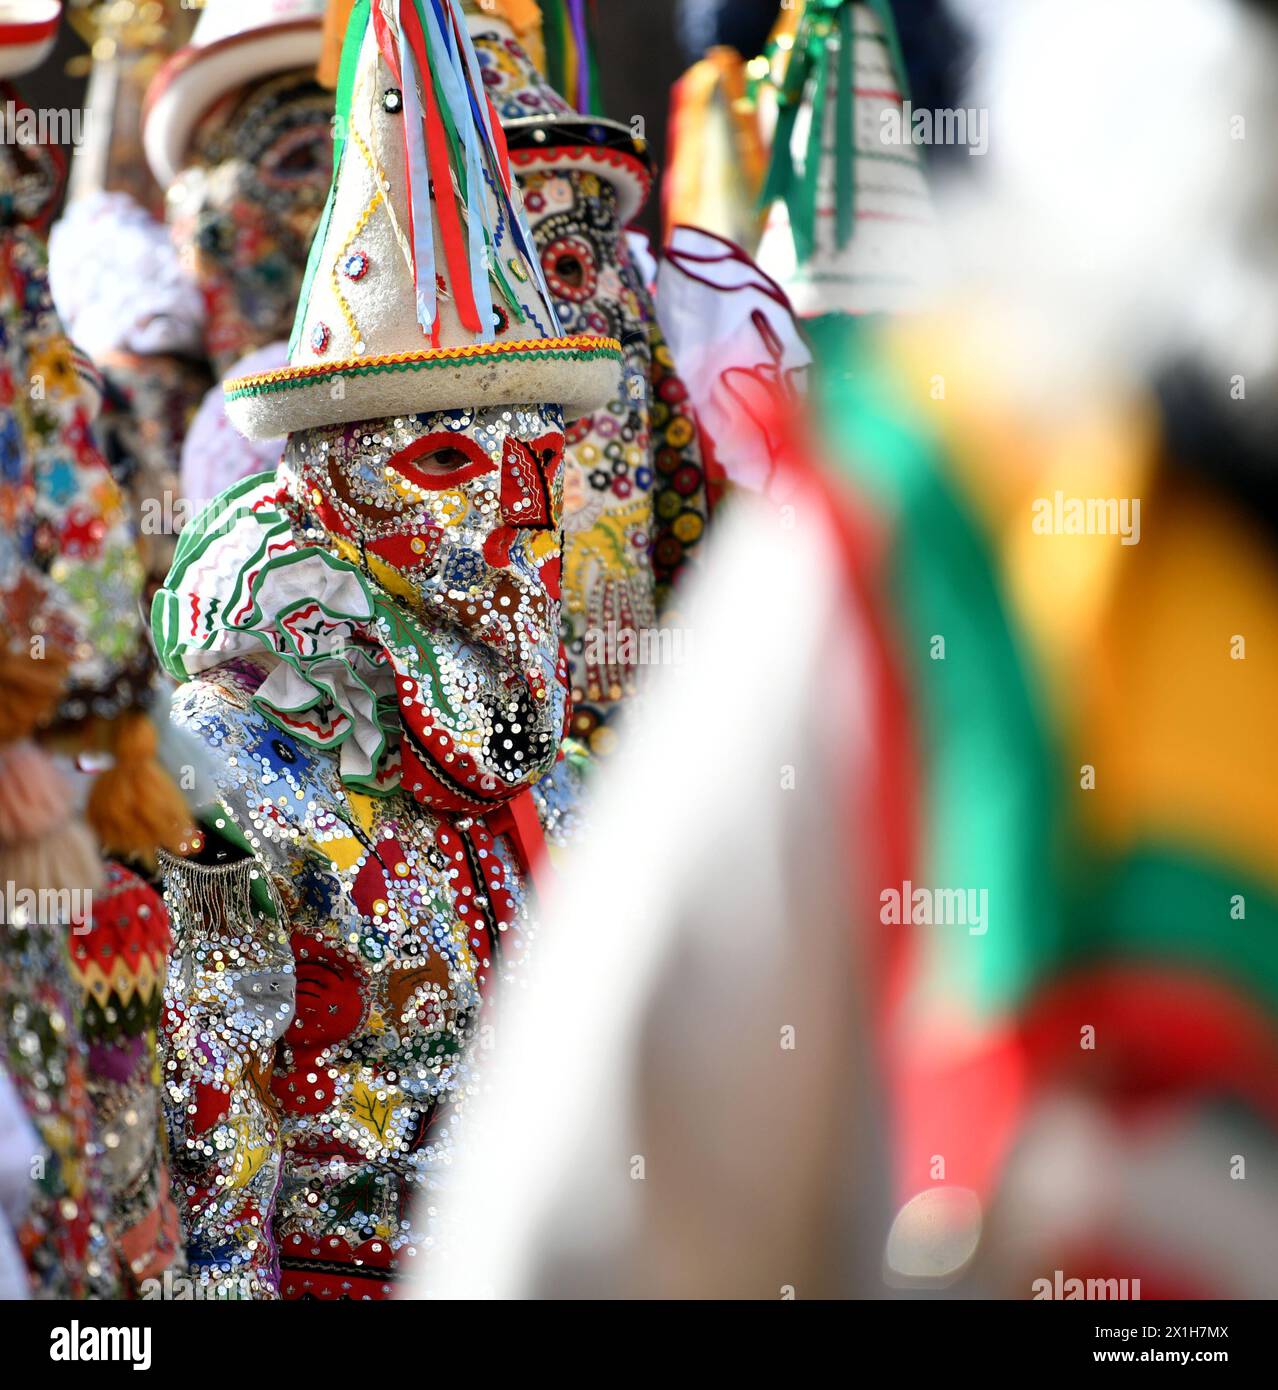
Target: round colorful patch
{"x": 355, "y": 266}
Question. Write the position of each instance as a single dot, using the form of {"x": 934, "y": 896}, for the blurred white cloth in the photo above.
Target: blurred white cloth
{"x": 142, "y": 301}
{"x": 652, "y": 1128}
{"x": 741, "y": 354}
{"x": 18, "y": 1146}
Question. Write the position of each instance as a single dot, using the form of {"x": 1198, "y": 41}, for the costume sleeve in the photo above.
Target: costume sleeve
{"x": 681, "y": 503}
{"x": 230, "y": 995}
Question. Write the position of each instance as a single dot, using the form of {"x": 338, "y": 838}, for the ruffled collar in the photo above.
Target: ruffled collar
{"x": 354, "y": 672}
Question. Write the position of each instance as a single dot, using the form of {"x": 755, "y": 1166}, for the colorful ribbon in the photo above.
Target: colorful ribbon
{"x": 570, "y": 59}
{"x": 825, "y": 37}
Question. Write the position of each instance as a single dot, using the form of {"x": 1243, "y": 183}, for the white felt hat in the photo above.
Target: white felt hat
{"x": 410, "y": 305}
{"x": 28, "y": 31}
{"x": 887, "y": 262}
{"x": 235, "y": 42}
{"x": 543, "y": 131}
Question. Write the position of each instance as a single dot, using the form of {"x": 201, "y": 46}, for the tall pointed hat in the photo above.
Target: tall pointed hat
{"x": 850, "y": 225}
{"x": 543, "y": 130}
{"x": 423, "y": 290}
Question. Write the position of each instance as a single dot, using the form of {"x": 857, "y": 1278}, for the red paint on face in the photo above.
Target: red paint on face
{"x": 438, "y": 451}
{"x": 528, "y": 475}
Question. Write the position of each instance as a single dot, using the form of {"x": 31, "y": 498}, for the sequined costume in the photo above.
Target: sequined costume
{"x": 119, "y": 967}
{"x": 70, "y": 607}
{"x": 64, "y": 1239}
{"x": 371, "y": 643}
{"x": 333, "y": 938}
{"x": 69, "y": 569}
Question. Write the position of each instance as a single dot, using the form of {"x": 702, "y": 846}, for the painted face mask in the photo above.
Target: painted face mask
{"x": 244, "y": 211}
{"x": 457, "y": 515}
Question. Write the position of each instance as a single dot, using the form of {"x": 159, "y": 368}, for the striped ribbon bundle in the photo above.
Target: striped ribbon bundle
{"x": 570, "y": 59}
{"x": 825, "y": 37}
{"x": 454, "y": 144}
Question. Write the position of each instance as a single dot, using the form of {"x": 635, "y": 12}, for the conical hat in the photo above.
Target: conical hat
{"x": 424, "y": 290}
{"x": 857, "y": 234}
{"x": 542, "y": 129}
{"x": 235, "y": 42}
{"x": 28, "y": 31}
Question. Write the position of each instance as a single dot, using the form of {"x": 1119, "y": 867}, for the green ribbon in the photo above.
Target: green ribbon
{"x": 826, "y": 36}
{"x": 991, "y": 808}
{"x": 359, "y": 17}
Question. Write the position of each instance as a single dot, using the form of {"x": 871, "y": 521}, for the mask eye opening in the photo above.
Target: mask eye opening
{"x": 440, "y": 460}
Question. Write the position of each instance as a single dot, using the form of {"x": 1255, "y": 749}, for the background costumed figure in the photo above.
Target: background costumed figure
{"x": 237, "y": 134}
{"x": 850, "y": 227}
{"x": 636, "y": 503}
{"x": 80, "y": 1026}
{"x": 117, "y": 282}
{"x": 371, "y": 642}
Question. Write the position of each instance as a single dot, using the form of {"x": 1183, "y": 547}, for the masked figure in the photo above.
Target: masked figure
{"x": 371, "y": 640}
{"x": 237, "y": 131}
{"x": 635, "y": 502}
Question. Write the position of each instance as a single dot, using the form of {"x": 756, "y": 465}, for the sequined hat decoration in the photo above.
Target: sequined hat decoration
{"x": 424, "y": 290}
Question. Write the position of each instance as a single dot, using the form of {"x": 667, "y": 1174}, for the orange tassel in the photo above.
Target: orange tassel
{"x": 336, "y": 17}
{"x": 30, "y": 691}
{"x": 134, "y": 807}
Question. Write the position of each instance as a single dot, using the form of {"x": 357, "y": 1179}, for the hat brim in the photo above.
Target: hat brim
{"x": 195, "y": 79}
{"x": 580, "y": 373}
{"x": 579, "y": 142}
{"x": 27, "y": 41}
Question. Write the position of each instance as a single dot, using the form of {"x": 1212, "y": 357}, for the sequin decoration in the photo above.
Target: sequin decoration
{"x": 391, "y": 683}
{"x": 635, "y": 501}
{"x": 65, "y": 1237}
{"x": 118, "y": 965}
{"x": 355, "y": 265}
{"x": 70, "y": 575}
{"x": 244, "y": 209}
